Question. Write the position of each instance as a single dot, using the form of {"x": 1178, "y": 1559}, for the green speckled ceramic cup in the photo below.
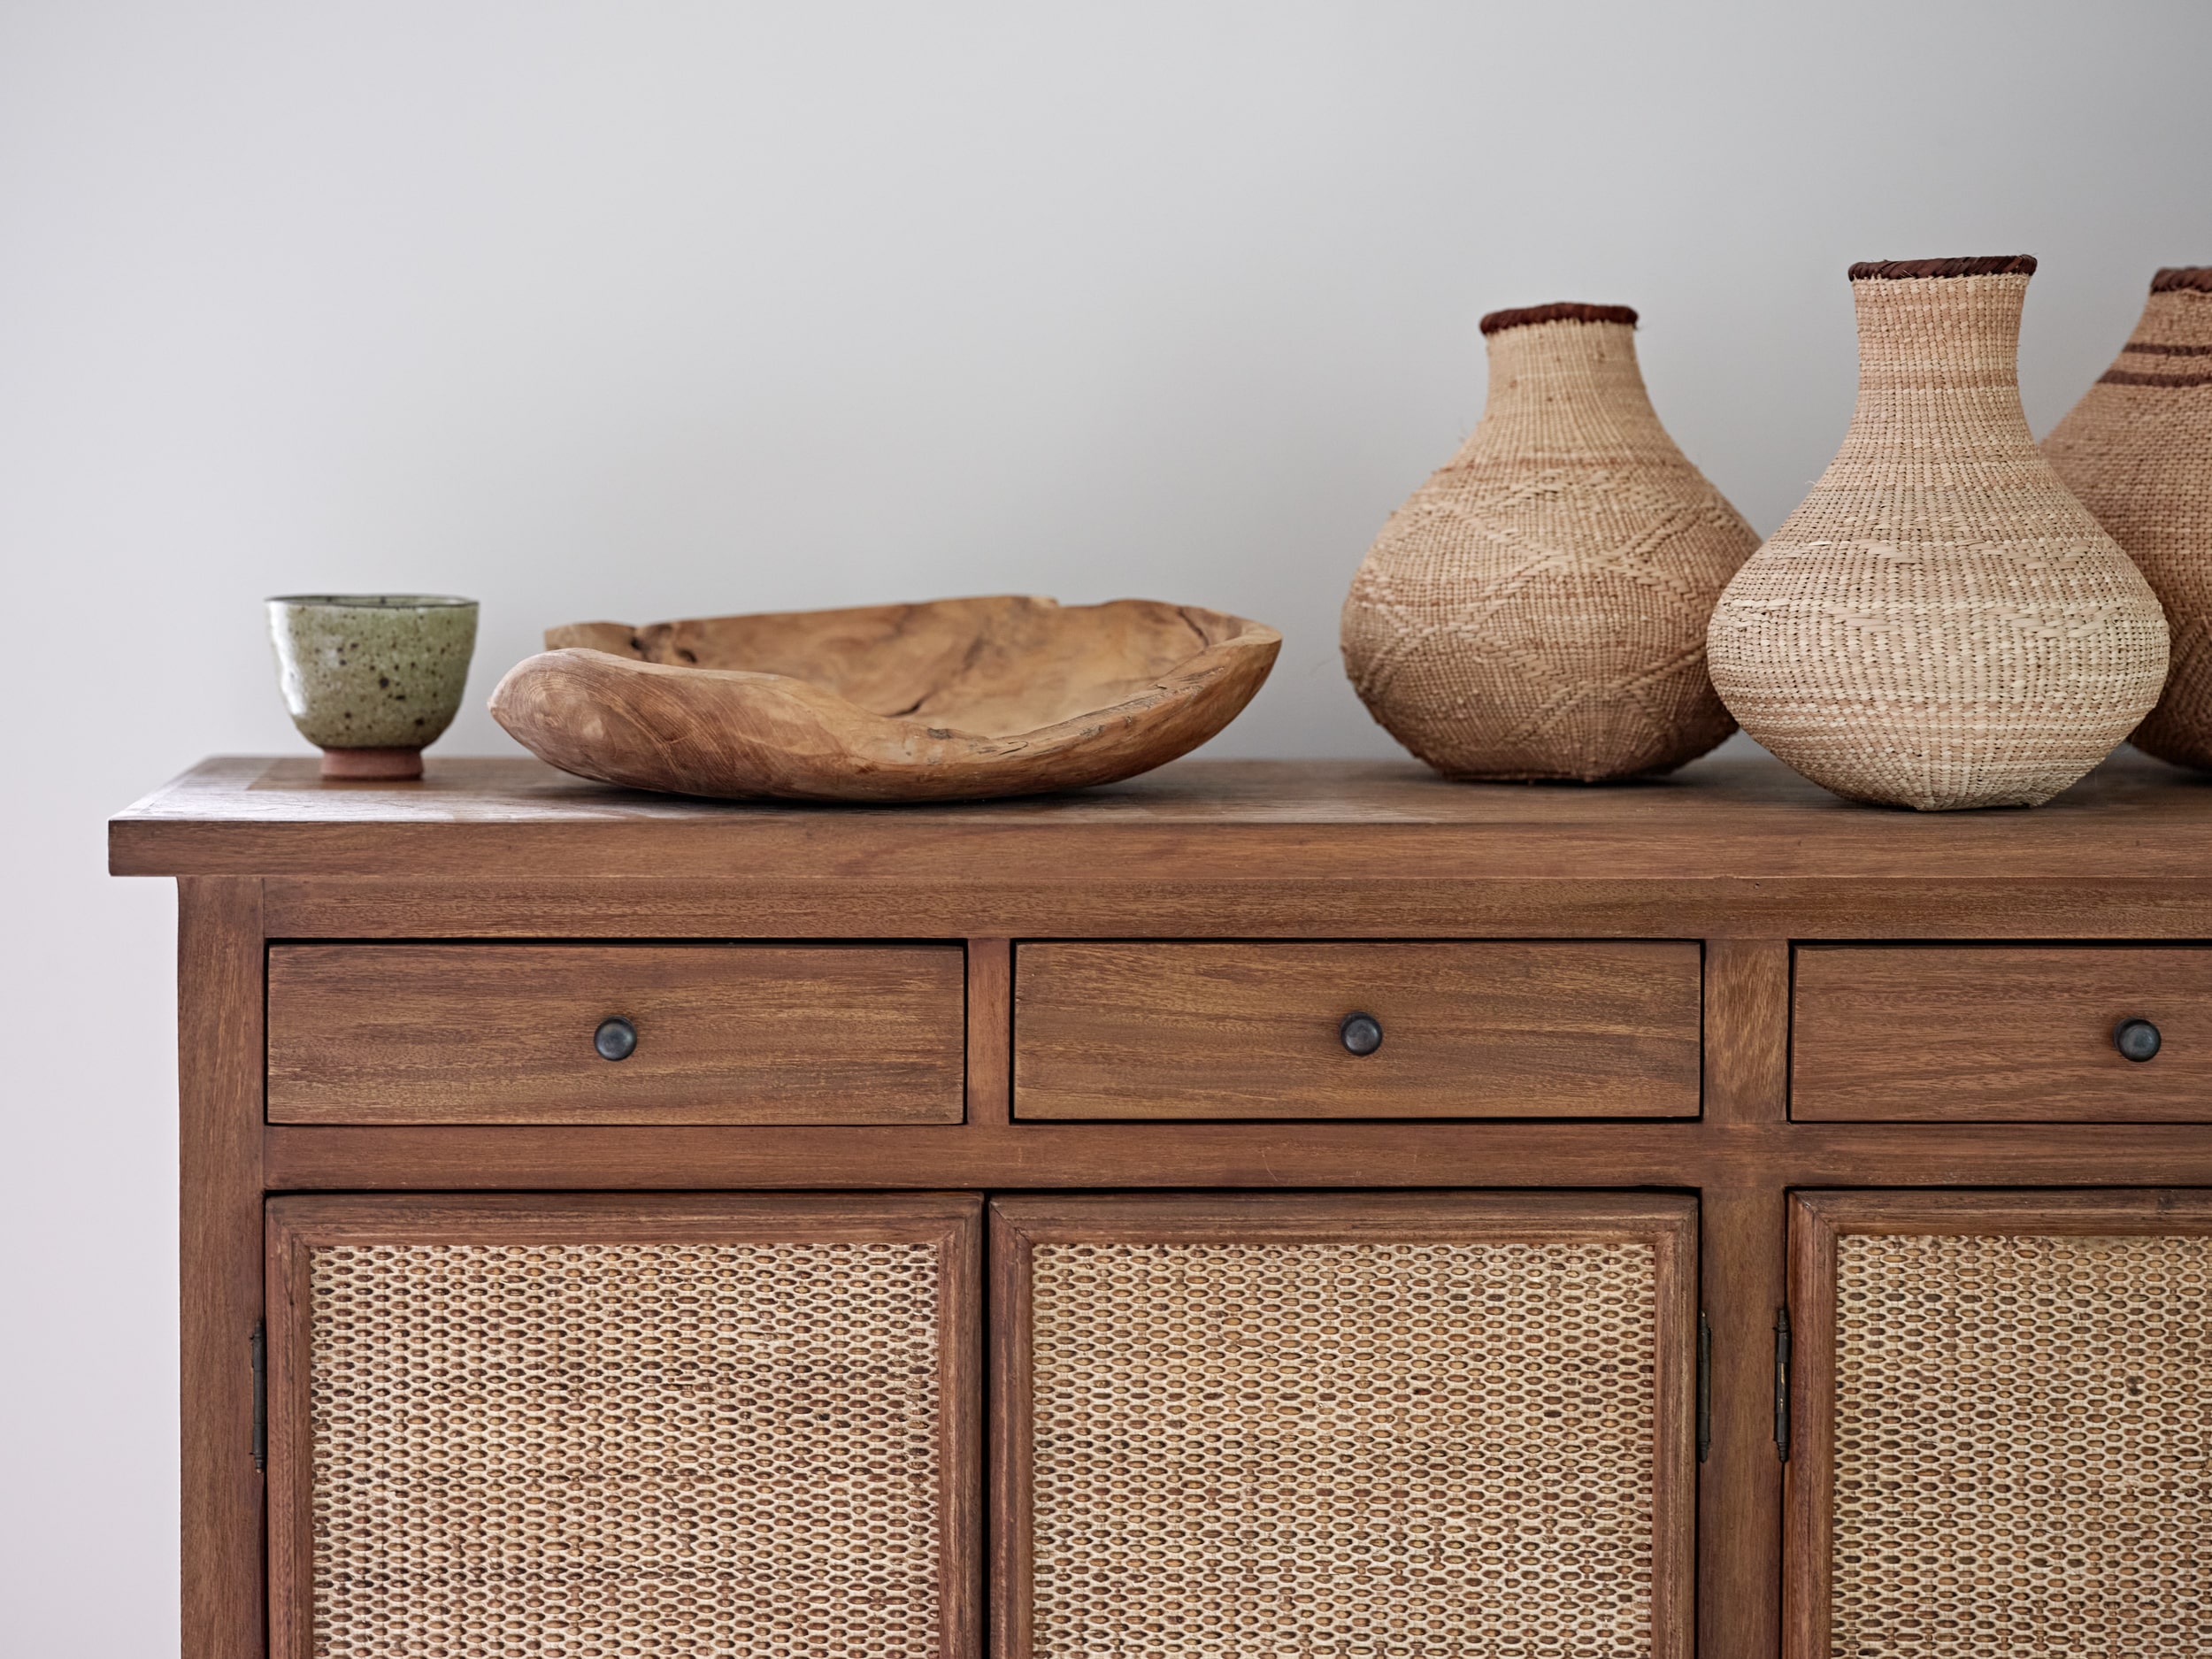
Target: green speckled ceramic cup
{"x": 372, "y": 679}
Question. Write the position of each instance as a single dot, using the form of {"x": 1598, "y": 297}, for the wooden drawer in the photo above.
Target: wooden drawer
{"x": 466, "y": 1033}
{"x": 1490, "y": 1030}
{"x": 1999, "y": 1034}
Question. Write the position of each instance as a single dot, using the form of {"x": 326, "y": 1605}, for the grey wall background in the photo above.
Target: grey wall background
{"x": 647, "y": 310}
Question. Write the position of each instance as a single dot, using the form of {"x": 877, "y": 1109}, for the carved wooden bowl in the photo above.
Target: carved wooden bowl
{"x": 958, "y": 700}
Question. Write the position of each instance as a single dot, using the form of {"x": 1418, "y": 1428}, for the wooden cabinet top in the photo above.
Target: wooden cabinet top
{"x": 1198, "y": 821}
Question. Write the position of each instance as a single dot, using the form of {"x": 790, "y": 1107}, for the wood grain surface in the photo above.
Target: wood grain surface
{"x": 459, "y": 1033}
{"x": 2012, "y": 1089}
{"x": 1499, "y": 1030}
{"x": 1379, "y": 1152}
{"x": 219, "y": 1189}
{"x": 1742, "y": 1223}
{"x": 961, "y": 699}
{"x": 1999, "y": 1034}
{"x": 1377, "y": 825}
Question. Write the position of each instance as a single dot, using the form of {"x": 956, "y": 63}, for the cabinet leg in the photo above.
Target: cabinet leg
{"x": 218, "y": 1083}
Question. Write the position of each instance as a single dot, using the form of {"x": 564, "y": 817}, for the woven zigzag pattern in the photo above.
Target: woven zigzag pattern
{"x": 1537, "y": 608}
{"x": 2137, "y": 450}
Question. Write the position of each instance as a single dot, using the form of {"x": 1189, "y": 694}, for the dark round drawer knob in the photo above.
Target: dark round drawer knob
{"x": 1362, "y": 1033}
{"x": 616, "y": 1039}
{"x": 2136, "y": 1039}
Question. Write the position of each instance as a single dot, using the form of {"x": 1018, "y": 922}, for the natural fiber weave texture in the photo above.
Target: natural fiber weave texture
{"x": 2138, "y": 450}
{"x": 587, "y": 1451}
{"x": 1940, "y": 624}
{"x": 2021, "y": 1448}
{"x": 1538, "y": 608}
{"x": 1320, "y": 1448}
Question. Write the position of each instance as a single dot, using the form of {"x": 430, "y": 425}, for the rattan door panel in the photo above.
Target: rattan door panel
{"x": 1230, "y": 1426}
{"x": 2003, "y": 1410}
{"x": 589, "y": 1427}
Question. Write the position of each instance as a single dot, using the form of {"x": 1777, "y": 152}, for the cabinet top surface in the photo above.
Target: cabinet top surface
{"x": 1745, "y": 818}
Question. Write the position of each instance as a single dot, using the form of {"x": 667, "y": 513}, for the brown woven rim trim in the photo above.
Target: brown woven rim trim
{"x": 2182, "y": 276}
{"x": 2128, "y": 377}
{"x": 1988, "y": 265}
{"x": 1561, "y": 311}
{"x": 2150, "y": 349}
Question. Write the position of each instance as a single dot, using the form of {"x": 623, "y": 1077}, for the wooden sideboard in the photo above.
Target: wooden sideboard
{"x": 1256, "y": 1210}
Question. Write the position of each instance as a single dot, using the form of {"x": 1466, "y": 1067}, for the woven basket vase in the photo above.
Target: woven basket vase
{"x": 1940, "y": 624}
{"x": 2137, "y": 450}
{"x": 1537, "y": 609}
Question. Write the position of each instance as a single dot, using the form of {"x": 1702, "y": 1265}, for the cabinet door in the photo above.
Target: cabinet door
{"x": 1245, "y": 1426}
{"x": 2003, "y": 1404}
{"x": 585, "y": 1427}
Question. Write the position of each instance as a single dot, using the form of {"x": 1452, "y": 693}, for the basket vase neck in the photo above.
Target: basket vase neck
{"x": 1567, "y": 391}
{"x": 1939, "y": 370}
{"x": 2172, "y": 346}
{"x": 2178, "y": 316}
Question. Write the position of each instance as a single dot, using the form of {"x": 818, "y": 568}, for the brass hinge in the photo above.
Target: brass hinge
{"x": 1782, "y": 1382}
{"x": 1704, "y": 1386}
{"x": 260, "y": 1397}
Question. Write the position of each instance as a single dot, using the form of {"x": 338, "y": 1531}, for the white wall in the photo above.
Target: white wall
{"x": 662, "y": 307}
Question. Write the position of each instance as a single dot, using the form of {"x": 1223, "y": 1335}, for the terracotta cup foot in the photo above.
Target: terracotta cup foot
{"x": 373, "y": 763}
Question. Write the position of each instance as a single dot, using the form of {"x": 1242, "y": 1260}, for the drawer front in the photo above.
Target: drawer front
{"x": 466, "y": 1033}
{"x": 1999, "y": 1034}
{"x": 1490, "y": 1030}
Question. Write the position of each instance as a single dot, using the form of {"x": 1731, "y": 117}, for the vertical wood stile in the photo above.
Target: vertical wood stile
{"x": 990, "y": 1031}
{"x": 1742, "y": 1250}
{"x": 218, "y": 1169}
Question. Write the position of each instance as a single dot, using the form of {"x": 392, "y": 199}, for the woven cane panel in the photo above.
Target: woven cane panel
{"x": 2023, "y": 1448}
{"x": 1422, "y": 1450}
{"x": 587, "y": 1451}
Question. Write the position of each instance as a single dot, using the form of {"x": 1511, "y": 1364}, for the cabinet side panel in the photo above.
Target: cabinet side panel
{"x": 219, "y": 1167}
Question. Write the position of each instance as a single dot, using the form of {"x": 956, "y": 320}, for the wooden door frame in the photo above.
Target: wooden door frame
{"x": 1667, "y": 1223}
{"x": 1817, "y": 1220}
{"x": 953, "y": 1222}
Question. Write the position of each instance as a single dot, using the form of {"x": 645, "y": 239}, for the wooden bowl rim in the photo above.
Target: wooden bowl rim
{"x": 1241, "y": 635}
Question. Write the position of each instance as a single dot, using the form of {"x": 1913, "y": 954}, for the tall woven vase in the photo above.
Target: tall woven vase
{"x": 1537, "y": 609}
{"x": 1940, "y": 624}
{"x": 2137, "y": 450}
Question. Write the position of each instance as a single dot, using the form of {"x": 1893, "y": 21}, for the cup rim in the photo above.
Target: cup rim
{"x": 373, "y": 602}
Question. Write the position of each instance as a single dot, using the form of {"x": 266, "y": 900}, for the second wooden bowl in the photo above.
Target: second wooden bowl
{"x": 962, "y": 699}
